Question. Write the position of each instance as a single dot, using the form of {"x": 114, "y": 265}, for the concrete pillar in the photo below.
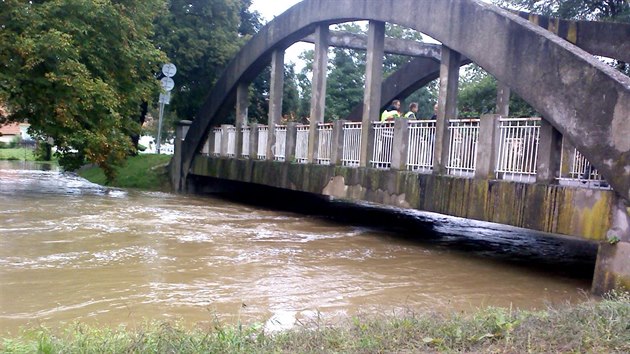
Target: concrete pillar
{"x": 549, "y": 154}
{"x": 612, "y": 269}
{"x": 253, "y": 141}
{"x": 336, "y": 153}
{"x": 242, "y": 102}
{"x": 447, "y": 106}
{"x": 372, "y": 94}
{"x": 289, "y": 152}
{"x": 568, "y": 154}
{"x": 503, "y": 100}
{"x": 176, "y": 161}
{"x": 318, "y": 90}
{"x": 487, "y": 146}
{"x": 224, "y": 139}
{"x": 275, "y": 99}
{"x": 401, "y": 144}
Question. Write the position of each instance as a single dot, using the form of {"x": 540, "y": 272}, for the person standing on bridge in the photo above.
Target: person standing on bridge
{"x": 392, "y": 112}
{"x": 413, "y": 109}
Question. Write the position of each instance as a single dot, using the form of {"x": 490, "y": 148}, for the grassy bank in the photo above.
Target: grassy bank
{"x": 145, "y": 171}
{"x": 19, "y": 154}
{"x": 596, "y": 327}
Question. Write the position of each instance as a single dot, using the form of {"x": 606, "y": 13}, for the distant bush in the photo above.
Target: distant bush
{"x": 3, "y": 145}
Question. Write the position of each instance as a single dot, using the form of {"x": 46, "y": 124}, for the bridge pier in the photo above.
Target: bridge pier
{"x": 447, "y": 106}
{"x": 612, "y": 269}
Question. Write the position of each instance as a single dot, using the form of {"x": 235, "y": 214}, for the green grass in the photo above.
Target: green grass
{"x": 589, "y": 327}
{"x": 21, "y": 154}
{"x": 146, "y": 171}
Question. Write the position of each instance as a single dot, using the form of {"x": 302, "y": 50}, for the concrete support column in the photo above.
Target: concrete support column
{"x": 336, "y": 153}
{"x": 612, "y": 269}
{"x": 401, "y": 144}
{"x": 318, "y": 90}
{"x": 487, "y": 146}
{"x": 176, "y": 162}
{"x": 447, "y": 106}
{"x": 242, "y": 102}
{"x": 253, "y": 141}
{"x": 275, "y": 99}
{"x": 289, "y": 152}
{"x": 568, "y": 154}
{"x": 372, "y": 94}
{"x": 549, "y": 154}
{"x": 224, "y": 139}
{"x": 503, "y": 99}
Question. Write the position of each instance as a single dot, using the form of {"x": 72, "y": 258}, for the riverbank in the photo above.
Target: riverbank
{"x": 17, "y": 154}
{"x": 592, "y": 326}
{"x": 146, "y": 171}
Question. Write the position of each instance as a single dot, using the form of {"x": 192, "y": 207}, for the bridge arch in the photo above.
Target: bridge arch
{"x": 584, "y": 99}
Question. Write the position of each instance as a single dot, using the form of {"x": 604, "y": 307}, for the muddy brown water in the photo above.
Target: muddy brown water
{"x": 73, "y": 251}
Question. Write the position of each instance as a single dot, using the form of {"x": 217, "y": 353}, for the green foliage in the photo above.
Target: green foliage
{"x": 142, "y": 171}
{"x": 345, "y": 83}
{"x": 78, "y": 70}
{"x": 608, "y": 10}
{"x": 200, "y": 37}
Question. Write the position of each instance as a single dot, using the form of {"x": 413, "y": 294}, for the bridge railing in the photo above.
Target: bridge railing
{"x": 383, "y": 145}
{"x": 262, "y": 142}
{"x": 421, "y": 145}
{"x": 351, "y": 144}
{"x": 245, "y": 131}
{"x": 301, "y": 143}
{"x": 279, "y": 153}
{"x": 463, "y": 139}
{"x": 324, "y": 147}
{"x": 518, "y": 149}
{"x": 513, "y": 144}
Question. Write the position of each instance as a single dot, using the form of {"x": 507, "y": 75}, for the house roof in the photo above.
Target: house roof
{"x": 10, "y": 129}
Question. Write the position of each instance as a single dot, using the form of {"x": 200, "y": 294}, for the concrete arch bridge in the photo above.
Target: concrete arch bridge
{"x": 567, "y": 172}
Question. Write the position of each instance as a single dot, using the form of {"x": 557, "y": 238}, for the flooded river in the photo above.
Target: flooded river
{"x": 74, "y": 251}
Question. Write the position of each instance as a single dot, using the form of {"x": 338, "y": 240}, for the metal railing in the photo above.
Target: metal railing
{"x": 383, "y": 144}
{"x": 324, "y": 146}
{"x": 421, "y": 145}
{"x": 462, "y": 152}
{"x": 581, "y": 173}
{"x": 518, "y": 149}
{"x": 245, "y": 142}
{"x": 301, "y": 143}
{"x": 351, "y": 144}
{"x": 231, "y": 143}
{"x": 217, "y": 141}
{"x": 261, "y": 151}
{"x": 279, "y": 153}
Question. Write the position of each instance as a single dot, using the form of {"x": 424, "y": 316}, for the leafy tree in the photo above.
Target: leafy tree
{"x": 291, "y": 96}
{"x": 345, "y": 83}
{"x": 78, "y": 71}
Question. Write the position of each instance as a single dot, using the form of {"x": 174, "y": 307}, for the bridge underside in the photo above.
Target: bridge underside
{"x": 577, "y": 212}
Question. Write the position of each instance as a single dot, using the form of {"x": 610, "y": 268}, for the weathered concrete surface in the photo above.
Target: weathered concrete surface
{"x": 578, "y": 212}
{"x": 407, "y": 47}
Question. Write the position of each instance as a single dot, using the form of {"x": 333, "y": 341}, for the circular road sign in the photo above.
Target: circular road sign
{"x": 167, "y": 84}
{"x": 169, "y": 70}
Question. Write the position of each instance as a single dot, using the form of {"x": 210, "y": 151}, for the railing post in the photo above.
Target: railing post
{"x": 241, "y": 116}
{"x": 253, "y": 141}
{"x": 400, "y": 149}
{"x": 336, "y": 153}
{"x": 487, "y": 146}
{"x": 275, "y": 99}
{"x": 289, "y": 152}
{"x": 549, "y": 153}
{"x": 372, "y": 94}
{"x": 568, "y": 153}
{"x": 224, "y": 140}
{"x": 447, "y": 107}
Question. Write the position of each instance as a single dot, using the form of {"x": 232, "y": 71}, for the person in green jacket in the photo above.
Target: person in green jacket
{"x": 391, "y": 112}
{"x": 413, "y": 109}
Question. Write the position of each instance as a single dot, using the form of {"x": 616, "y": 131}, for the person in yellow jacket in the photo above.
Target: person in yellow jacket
{"x": 391, "y": 112}
{"x": 413, "y": 109}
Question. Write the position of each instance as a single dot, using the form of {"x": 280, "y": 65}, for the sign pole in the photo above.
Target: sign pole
{"x": 159, "y": 136}
{"x": 167, "y": 85}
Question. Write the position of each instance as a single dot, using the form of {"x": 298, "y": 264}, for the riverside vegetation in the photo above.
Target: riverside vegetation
{"x": 147, "y": 171}
{"x": 592, "y": 327}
